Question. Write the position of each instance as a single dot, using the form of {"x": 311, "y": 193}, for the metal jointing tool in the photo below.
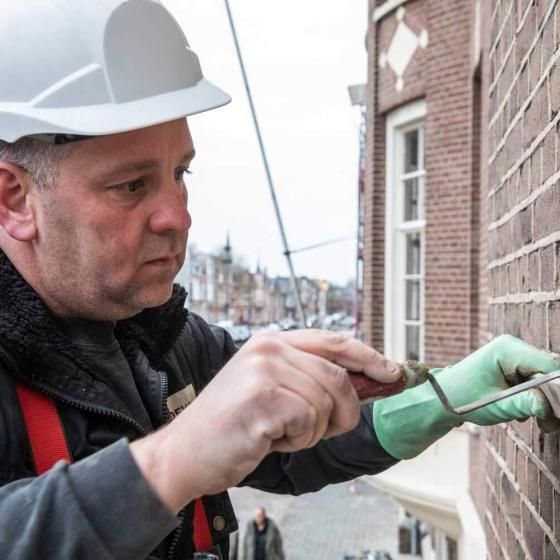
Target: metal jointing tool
{"x": 535, "y": 381}
{"x": 416, "y": 373}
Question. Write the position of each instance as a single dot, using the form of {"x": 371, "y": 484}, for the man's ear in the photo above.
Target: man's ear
{"x": 17, "y": 215}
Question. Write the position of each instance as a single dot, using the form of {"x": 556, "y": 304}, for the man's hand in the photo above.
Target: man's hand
{"x": 408, "y": 423}
{"x": 280, "y": 392}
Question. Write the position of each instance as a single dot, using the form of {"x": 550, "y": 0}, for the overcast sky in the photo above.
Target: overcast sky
{"x": 300, "y": 57}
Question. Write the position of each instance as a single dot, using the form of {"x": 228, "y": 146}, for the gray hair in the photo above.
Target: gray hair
{"x": 40, "y": 159}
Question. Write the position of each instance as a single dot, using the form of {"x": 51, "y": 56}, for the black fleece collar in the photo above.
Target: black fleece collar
{"x": 37, "y": 352}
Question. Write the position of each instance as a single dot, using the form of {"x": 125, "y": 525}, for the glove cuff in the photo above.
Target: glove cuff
{"x": 408, "y": 423}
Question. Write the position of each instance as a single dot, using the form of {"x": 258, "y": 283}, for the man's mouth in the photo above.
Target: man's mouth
{"x": 163, "y": 261}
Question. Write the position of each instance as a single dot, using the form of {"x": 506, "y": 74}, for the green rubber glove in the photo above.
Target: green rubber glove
{"x": 407, "y": 423}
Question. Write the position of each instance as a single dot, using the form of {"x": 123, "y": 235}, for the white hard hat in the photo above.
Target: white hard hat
{"x": 72, "y": 68}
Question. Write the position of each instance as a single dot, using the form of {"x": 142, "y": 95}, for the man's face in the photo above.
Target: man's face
{"x": 112, "y": 233}
{"x": 260, "y": 516}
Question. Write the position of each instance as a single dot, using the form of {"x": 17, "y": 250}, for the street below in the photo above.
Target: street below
{"x": 329, "y": 524}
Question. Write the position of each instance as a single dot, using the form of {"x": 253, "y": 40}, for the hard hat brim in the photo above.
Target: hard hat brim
{"x": 110, "y": 118}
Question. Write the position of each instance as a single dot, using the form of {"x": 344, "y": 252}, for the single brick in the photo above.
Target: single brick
{"x": 554, "y": 80}
{"x": 512, "y": 321}
{"x": 536, "y": 116}
{"x": 524, "y": 274}
{"x": 549, "y": 154}
{"x": 524, "y": 179}
{"x": 545, "y": 500}
{"x": 547, "y": 255}
{"x": 554, "y": 326}
{"x": 546, "y": 218}
{"x": 557, "y": 272}
{"x": 536, "y": 169}
{"x": 557, "y": 19}
{"x": 524, "y": 429}
{"x": 556, "y": 508}
{"x": 501, "y": 527}
{"x": 511, "y": 543}
{"x": 526, "y": 35}
{"x": 514, "y": 101}
{"x": 504, "y": 239}
{"x": 493, "y": 245}
{"x": 533, "y": 321}
{"x": 496, "y": 25}
{"x": 521, "y": 469}
{"x": 550, "y": 552}
{"x": 512, "y": 274}
{"x": 522, "y": 228}
{"x": 542, "y": 7}
{"x": 534, "y": 271}
{"x": 552, "y": 453}
{"x": 532, "y": 483}
{"x": 511, "y": 502}
{"x": 548, "y": 41}
{"x": 511, "y": 447}
{"x": 532, "y": 534}
{"x": 535, "y": 60}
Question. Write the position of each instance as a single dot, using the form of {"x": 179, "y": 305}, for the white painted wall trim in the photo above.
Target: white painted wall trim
{"x": 473, "y": 541}
{"x": 397, "y": 119}
{"x": 387, "y": 8}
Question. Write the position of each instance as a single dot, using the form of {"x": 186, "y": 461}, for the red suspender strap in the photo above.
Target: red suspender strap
{"x": 44, "y": 429}
{"x": 202, "y": 536}
{"x": 49, "y": 446}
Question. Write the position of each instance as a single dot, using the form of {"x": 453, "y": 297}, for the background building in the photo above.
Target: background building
{"x": 461, "y": 243}
{"x": 223, "y": 289}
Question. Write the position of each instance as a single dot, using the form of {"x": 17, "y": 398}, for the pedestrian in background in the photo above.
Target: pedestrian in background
{"x": 262, "y": 539}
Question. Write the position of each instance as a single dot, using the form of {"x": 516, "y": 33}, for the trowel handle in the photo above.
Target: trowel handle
{"x": 369, "y": 390}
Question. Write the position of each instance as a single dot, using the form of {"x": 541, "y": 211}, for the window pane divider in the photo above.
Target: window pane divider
{"x": 412, "y": 226}
{"x": 413, "y": 175}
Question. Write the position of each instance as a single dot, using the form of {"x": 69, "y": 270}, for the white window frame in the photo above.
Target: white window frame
{"x": 398, "y": 123}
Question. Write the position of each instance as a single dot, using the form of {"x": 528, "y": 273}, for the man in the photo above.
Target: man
{"x": 262, "y": 539}
{"x": 93, "y": 229}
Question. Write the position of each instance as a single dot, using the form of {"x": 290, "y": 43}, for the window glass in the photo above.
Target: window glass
{"x": 412, "y": 348}
{"x": 411, "y": 199}
{"x": 411, "y": 151}
{"x": 413, "y": 300}
{"x": 413, "y": 253}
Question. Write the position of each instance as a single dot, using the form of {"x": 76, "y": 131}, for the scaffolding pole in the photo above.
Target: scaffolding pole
{"x": 287, "y": 252}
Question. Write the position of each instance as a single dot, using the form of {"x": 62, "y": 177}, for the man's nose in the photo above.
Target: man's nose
{"x": 171, "y": 213}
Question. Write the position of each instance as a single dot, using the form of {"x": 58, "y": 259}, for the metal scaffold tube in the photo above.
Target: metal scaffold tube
{"x": 287, "y": 251}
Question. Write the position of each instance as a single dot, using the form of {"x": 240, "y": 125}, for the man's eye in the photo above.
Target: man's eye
{"x": 180, "y": 173}
{"x": 132, "y": 186}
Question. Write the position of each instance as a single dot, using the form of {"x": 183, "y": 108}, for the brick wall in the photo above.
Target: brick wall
{"x": 522, "y": 514}
{"x": 449, "y": 194}
{"x": 442, "y": 74}
{"x": 374, "y": 208}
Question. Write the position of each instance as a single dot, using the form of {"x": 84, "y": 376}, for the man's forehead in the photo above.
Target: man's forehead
{"x": 142, "y": 148}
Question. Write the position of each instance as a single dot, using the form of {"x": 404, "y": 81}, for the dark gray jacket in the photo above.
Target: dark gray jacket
{"x": 100, "y": 507}
{"x": 273, "y": 548}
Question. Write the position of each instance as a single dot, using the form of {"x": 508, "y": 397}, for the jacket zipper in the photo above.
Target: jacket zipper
{"x": 166, "y": 417}
{"x": 177, "y": 535}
